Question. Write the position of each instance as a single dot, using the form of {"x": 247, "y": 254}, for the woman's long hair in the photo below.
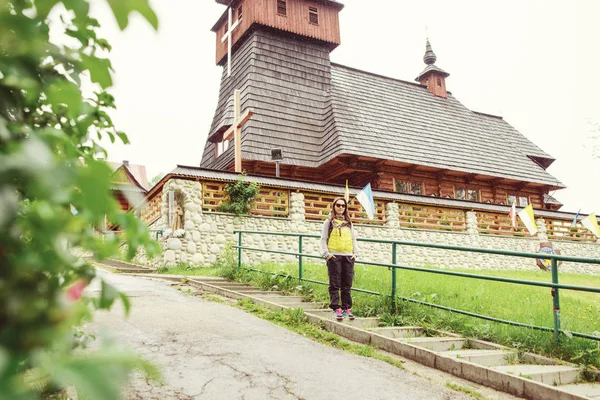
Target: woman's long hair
{"x": 346, "y": 215}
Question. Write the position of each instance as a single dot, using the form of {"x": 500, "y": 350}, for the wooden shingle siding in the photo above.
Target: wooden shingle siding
{"x": 287, "y": 87}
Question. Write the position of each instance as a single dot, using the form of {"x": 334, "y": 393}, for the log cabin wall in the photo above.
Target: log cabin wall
{"x": 433, "y": 183}
{"x": 296, "y": 20}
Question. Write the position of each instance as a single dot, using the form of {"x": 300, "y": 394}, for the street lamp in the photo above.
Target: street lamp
{"x": 277, "y": 156}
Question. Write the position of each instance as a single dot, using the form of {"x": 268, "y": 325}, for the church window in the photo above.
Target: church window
{"x": 222, "y": 147}
{"x": 521, "y": 201}
{"x": 240, "y": 13}
{"x": 281, "y": 7}
{"x": 466, "y": 194}
{"x": 313, "y": 15}
{"x": 409, "y": 187}
{"x": 439, "y": 82}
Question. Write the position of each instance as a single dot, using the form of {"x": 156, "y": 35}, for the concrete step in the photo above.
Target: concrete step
{"x": 240, "y": 289}
{"x": 549, "y": 374}
{"x": 436, "y": 343}
{"x": 487, "y": 358}
{"x": 585, "y": 390}
{"x": 306, "y": 305}
{"x": 399, "y": 331}
{"x": 280, "y": 299}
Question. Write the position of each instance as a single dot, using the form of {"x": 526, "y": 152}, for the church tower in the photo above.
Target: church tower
{"x": 279, "y": 57}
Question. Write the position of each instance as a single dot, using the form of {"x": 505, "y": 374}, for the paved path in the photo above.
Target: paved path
{"x": 208, "y": 350}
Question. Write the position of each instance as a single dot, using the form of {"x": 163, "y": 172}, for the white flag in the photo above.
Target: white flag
{"x": 365, "y": 196}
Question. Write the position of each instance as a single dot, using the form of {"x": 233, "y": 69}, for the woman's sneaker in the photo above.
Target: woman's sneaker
{"x": 348, "y": 313}
{"x": 338, "y": 314}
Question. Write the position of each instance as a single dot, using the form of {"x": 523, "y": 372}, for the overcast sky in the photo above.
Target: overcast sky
{"x": 532, "y": 62}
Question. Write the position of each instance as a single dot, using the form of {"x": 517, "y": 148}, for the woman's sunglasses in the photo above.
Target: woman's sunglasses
{"x": 340, "y": 205}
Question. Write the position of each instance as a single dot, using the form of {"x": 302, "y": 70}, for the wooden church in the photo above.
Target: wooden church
{"x": 331, "y": 123}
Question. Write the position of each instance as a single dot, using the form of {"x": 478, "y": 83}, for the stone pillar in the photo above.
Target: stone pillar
{"x": 392, "y": 215}
{"x": 297, "y": 207}
{"x": 541, "y": 227}
{"x": 472, "y": 223}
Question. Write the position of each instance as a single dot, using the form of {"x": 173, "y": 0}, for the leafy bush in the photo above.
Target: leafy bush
{"x": 54, "y": 191}
{"x": 241, "y": 194}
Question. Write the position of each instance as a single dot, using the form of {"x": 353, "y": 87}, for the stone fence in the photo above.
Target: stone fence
{"x": 207, "y": 232}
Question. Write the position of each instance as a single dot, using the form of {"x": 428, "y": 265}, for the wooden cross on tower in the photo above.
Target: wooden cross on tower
{"x": 235, "y": 129}
{"x": 227, "y": 36}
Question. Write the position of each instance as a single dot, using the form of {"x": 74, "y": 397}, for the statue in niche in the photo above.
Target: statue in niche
{"x": 178, "y": 212}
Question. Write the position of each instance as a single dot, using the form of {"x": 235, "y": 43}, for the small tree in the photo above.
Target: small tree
{"x": 241, "y": 194}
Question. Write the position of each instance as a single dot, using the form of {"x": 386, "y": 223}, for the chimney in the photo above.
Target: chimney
{"x": 126, "y": 163}
{"x": 432, "y": 76}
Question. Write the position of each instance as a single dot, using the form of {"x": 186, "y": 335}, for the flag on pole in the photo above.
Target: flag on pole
{"x": 574, "y": 223}
{"x": 526, "y": 216}
{"x": 591, "y": 223}
{"x": 347, "y": 195}
{"x": 513, "y": 216}
{"x": 365, "y": 197}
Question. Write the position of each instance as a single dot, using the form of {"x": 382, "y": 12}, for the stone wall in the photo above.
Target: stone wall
{"x": 207, "y": 234}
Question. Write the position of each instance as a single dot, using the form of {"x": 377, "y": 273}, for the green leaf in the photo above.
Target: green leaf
{"x": 99, "y": 70}
{"x": 122, "y": 8}
{"x": 108, "y": 295}
{"x": 65, "y": 92}
{"x": 123, "y": 137}
{"x": 126, "y": 302}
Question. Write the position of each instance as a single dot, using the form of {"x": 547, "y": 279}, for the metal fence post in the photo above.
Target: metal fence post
{"x": 555, "y": 299}
{"x": 300, "y": 257}
{"x": 394, "y": 256}
{"x": 239, "y": 250}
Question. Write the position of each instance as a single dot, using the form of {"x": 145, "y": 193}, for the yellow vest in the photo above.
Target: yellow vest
{"x": 340, "y": 239}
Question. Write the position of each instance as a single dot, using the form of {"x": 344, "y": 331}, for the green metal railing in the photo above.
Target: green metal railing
{"x": 555, "y": 285}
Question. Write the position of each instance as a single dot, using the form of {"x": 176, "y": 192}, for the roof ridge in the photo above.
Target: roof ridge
{"x": 379, "y": 75}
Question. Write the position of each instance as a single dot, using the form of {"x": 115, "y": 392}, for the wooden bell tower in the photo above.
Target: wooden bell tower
{"x": 314, "y": 19}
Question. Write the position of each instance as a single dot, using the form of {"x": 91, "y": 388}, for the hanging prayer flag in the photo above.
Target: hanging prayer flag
{"x": 347, "y": 195}
{"x": 526, "y": 216}
{"x": 574, "y": 223}
{"x": 365, "y": 196}
{"x": 591, "y": 223}
{"x": 513, "y": 216}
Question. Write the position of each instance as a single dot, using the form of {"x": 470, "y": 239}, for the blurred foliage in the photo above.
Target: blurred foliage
{"x": 54, "y": 197}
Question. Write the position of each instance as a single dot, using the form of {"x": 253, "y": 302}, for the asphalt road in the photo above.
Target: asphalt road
{"x": 208, "y": 350}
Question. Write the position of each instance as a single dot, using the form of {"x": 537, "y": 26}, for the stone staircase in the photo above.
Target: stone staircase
{"x": 502, "y": 368}
{"x": 122, "y": 266}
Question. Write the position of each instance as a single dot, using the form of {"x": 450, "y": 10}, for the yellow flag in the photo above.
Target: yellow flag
{"x": 528, "y": 219}
{"x": 347, "y": 195}
{"x": 591, "y": 223}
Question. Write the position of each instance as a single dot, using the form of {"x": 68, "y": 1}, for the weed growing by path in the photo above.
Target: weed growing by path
{"x": 296, "y": 321}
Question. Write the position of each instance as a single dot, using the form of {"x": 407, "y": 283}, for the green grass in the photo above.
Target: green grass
{"x": 296, "y": 321}
{"x": 471, "y": 392}
{"x": 580, "y": 311}
{"x": 188, "y": 270}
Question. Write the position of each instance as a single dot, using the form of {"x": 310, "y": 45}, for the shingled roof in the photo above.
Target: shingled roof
{"x": 316, "y": 110}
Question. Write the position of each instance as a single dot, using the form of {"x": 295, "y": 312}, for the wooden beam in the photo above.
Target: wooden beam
{"x": 243, "y": 119}
{"x": 470, "y": 178}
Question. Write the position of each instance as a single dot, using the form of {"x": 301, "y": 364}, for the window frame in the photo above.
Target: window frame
{"x": 467, "y": 190}
{"x": 409, "y": 187}
{"x": 313, "y": 12}
{"x": 281, "y": 5}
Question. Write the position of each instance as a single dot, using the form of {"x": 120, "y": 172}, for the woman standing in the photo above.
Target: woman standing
{"x": 338, "y": 244}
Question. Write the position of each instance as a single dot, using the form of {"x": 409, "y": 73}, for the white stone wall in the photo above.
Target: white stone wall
{"x": 207, "y": 234}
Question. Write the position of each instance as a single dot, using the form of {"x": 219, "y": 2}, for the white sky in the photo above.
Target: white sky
{"x": 534, "y": 62}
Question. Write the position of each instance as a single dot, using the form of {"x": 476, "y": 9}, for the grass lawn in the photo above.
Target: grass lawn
{"x": 580, "y": 311}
